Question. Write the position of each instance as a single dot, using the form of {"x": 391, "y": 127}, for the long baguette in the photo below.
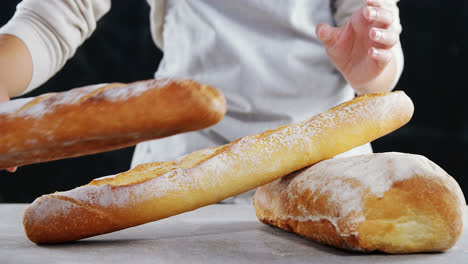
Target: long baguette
{"x": 99, "y": 118}
{"x": 158, "y": 190}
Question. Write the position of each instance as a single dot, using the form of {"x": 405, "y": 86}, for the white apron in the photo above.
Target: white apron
{"x": 262, "y": 54}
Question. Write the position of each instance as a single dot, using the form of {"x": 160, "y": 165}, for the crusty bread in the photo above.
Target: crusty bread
{"x": 158, "y": 190}
{"x": 390, "y": 202}
{"x": 99, "y": 118}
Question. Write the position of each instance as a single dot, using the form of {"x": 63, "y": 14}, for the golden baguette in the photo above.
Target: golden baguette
{"x": 389, "y": 202}
{"x": 158, "y": 190}
{"x": 100, "y": 118}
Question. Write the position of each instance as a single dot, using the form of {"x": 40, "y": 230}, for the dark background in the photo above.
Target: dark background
{"x": 434, "y": 41}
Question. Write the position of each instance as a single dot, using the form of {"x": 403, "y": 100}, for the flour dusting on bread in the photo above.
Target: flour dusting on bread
{"x": 391, "y": 202}
{"x": 345, "y": 182}
{"x": 157, "y": 190}
{"x": 286, "y": 138}
{"x": 69, "y": 97}
{"x": 13, "y": 105}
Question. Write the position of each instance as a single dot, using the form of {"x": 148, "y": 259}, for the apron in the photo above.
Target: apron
{"x": 262, "y": 54}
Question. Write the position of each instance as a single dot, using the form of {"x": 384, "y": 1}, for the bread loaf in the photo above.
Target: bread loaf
{"x": 99, "y": 118}
{"x": 158, "y": 190}
{"x": 389, "y": 202}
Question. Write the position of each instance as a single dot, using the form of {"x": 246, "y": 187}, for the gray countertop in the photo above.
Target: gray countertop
{"x": 214, "y": 234}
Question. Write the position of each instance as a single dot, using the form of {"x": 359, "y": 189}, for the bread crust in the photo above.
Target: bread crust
{"x": 158, "y": 190}
{"x": 388, "y": 202}
{"x": 100, "y": 118}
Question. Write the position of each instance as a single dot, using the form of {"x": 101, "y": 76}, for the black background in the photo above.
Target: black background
{"x": 434, "y": 41}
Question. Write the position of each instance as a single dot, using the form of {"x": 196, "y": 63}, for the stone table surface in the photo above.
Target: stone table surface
{"x": 218, "y": 233}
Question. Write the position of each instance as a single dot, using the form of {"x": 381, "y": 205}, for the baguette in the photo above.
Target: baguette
{"x": 158, "y": 190}
{"x": 388, "y": 202}
{"x": 100, "y": 118}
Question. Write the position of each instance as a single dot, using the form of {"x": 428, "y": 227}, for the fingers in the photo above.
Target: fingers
{"x": 385, "y": 28}
{"x": 389, "y": 4}
{"x": 12, "y": 169}
{"x": 327, "y": 34}
{"x": 383, "y": 14}
{"x": 381, "y": 56}
{"x": 380, "y": 16}
{"x": 387, "y": 38}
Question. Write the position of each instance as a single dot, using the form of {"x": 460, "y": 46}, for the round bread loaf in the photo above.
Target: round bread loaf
{"x": 389, "y": 202}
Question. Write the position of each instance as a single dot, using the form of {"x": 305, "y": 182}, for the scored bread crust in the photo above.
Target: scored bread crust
{"x": 388, "y": 202}
{"x": 158, "y": 190}
{"x": 104, "y": 117}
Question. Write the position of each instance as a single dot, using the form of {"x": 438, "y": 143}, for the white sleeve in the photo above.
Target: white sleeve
{"x": 342, "y": 11}
{"x": 53, "y": 30}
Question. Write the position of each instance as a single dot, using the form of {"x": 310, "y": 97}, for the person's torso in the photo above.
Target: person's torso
{"x": 262, "y": 54}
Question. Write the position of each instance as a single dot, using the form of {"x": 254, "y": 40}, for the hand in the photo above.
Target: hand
{"x": 362, "y": 48}
{"x": 4, "y": 98}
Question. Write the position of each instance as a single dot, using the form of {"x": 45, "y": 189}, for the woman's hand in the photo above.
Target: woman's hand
{"x": 362, "y": 49}
{"x": 4, "y": 98}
